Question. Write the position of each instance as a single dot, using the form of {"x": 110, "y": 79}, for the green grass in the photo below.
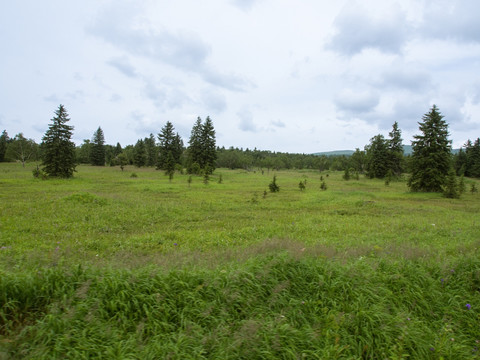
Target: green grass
{"x": 106, "y": 265}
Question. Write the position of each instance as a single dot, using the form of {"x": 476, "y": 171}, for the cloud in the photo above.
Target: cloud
{"x": 156, "y": 94}
{"x": 123, "y": 65}
{"x": 246, "y": 120}
{"x": 356, "y": 30}
{"x": 214, "y": 101}
{"x": 278, "y": 124}
{"x": 52, "y": 98}
{"x": 411, "y": 80}
{"x": 142, "y": 124}
{"x": 350, "y": 102}
{"x": 183, "y": 50}
{"x": 450, "y": 20}
{"x": 245, "y": 5}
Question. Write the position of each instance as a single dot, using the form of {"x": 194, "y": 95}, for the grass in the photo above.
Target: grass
{"x": 106, "y": 265}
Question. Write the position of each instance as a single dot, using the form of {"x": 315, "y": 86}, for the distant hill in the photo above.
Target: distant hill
{"x": 407, "y": 150}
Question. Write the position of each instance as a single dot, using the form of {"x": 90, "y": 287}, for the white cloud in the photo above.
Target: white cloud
{"x": 357, "y": 29}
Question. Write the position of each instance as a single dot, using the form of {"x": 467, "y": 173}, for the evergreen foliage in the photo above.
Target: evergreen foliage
{"x": 395, "y": 150}
{"x": 97, "y": 148}
{"x": 58, "y": 149}
{"x": 3, "y": 145}
{"x": 202, "y": 147}
{"x": 140, "y": 154}
{"x": 377, "y": 155}
{"x": 170, "y": 143}
{"x": 467, "y": 162}
{"x": 152, "y": 150}
{"x": 451, "y": 189}
{"x": 431, "y": 158}
{"x": 273, "y": 186}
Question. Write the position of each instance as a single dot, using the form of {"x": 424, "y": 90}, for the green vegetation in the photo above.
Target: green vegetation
{"x": 105, "y": 265}
{"x": 431, "y": 158}
{"x": 58, "y": 155}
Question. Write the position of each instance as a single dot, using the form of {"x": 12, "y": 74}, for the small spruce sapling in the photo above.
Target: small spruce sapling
{"x": 273, "y": 185}
{"x": 473, "y": 188}
{"x": 323, "y": 185}
{"x": 301, "y": 186}
{"x": 451, "y": 187}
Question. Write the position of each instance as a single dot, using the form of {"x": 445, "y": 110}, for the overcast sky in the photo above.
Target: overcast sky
{"x": 282, "y": 75}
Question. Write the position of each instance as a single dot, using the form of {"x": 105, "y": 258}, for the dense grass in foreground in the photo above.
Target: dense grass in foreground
{"x": 110, "y": 266}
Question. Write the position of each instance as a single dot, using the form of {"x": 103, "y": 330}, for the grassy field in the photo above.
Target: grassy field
{"x": 114, "y": 266}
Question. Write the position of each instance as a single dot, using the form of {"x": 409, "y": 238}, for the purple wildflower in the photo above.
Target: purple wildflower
{"x": 468, "y": 306}
{"x": 175, "y": 244}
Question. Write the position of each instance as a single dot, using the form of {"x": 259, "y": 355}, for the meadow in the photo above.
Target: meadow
{"x": 129, "y": 265}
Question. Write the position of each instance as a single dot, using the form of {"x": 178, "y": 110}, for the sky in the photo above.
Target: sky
{"x": 292, "y": 76}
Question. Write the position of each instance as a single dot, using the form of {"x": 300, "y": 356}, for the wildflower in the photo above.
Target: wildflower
{"x": 432, "y": 349}
{"x": 452, "y": 271}
{"x": 468, "y": 306}
{"x": 452, "y": 339}
{"x": 57, "y": 248}
{"x": 408, "y": 319}
{"x": 175, "y": 244}
{"x": 442, "y": 280}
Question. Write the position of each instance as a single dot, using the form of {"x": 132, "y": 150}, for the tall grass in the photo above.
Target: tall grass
{"x": 109, "y": 266}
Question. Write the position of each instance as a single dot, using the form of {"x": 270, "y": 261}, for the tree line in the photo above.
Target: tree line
{"x": 428, "y": 165}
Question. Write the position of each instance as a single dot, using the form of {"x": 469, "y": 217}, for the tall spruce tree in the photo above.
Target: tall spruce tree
{"x": 140, "y": 154}
{"x": 58, "y": 150}
{"x": 431, "y": 158}
{"x": 395, "y": 150}
{"x": 194, "y": 151}
{"x": 97, "y": 148}
{"x": 472, "y": 161}
{"x": 169, "y": 143}
{"x": 3, "y": 145}
{"x": 377, "y": 157}
{"x": 152, "y": 150}
{"x": 209, "y": 149}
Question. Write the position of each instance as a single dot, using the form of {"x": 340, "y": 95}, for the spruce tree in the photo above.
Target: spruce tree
{"x": 209, "y": 149}
{"x": 395, "y": 150}
{"x": 97, "y": 148}
{"x": 152, "y": 150}
{"x": 139, "y": 154}
{"x": 169, "y": 143}
{"x": 431, "y": 158}
{"x": 3, "y": 145}
{"x": 195, "y": 147}
{"x": 377, "y": 157}
{"x": 58, "y": 150}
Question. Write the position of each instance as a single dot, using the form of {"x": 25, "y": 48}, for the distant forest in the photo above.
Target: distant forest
{"x": 166, "y": 151}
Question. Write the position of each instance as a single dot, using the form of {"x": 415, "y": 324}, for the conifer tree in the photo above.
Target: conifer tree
{"x": 169, "y": 143}
{"x": 140, "y": 154}
{"x": 209, "y": 150}
{"x": 377, "y": 157}
{"x": 395, "y": 150}
{"x": 431, "y": 158}
{"x": 195, "y": 147}
{"x": 58, "y": 150}
{"x": 3, "y": 145}
{"x": 152, "y": 150}
{"x": 97, "y": 148}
